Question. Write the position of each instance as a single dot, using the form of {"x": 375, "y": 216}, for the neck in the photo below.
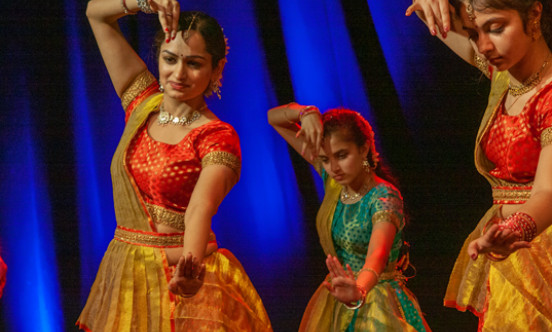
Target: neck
{"x": 358, "y": 184}
{"x": 180, "y": 109}
{"x": 531, "y": 64}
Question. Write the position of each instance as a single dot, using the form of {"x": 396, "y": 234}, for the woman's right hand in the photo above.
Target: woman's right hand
{"x": 188, "y": 276}
{"x": 169, "y": 13}
{"x": 433, "y": 13}
{"x": 311, "y": 131}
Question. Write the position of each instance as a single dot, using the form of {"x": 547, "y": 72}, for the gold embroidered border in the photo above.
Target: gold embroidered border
{"x": 546, "y": 137}
{"x": 386, "y": 216}
{"x": 482, "y": 65}
{"x": 142, "y": 81}
{"x": 222, "y": 158}
{"x": 511, "y": 195}
{"x": 167, "y": 217}
{"x": 148, "y": 239}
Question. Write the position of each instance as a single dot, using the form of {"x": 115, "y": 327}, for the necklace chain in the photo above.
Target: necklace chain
{"x": 165, "y": 117}
{"x": 348, "y": 198}
{"x": 530, "y": 83}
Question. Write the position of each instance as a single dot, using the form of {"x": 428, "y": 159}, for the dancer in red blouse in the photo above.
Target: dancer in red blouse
{"x": 175, "y": 163}
{"x": 510, "y": 286}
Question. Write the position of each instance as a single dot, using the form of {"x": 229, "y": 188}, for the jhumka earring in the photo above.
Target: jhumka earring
{"x": 536, "y": 30}
{"x": 161, "y": 88}
{"x": 215, "y": 88}
{"x": 366, "y": 166}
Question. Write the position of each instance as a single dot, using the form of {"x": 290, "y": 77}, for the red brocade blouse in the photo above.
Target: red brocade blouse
{"x": 166, "y": 173}
{"x": 513, "y": 143}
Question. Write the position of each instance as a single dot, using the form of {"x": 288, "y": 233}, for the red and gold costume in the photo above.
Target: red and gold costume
{"x": 514, "y": 294}
{"x": 152, "y": 183}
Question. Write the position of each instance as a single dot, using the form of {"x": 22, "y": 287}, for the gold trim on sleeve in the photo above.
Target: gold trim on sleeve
{"x": 140, "y": 83}
{"x": 386, "y": 216}
{"x": 546, "y": 137}
{"x": 222, "y": 158}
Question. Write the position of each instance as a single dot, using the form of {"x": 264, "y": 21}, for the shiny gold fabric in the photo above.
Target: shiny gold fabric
{"x": 130, "y": 292}
{"x": 510, "y": 295}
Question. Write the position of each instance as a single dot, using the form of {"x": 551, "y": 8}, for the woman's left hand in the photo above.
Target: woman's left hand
{"x": 188, "y": 276}
{"x": 343, "y": 284}
{"x": 169, "y": 13}
{"x": 498, "y": 241}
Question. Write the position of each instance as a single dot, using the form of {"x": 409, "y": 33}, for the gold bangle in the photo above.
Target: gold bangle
{"x": 367, "y": 269}
{"x": 495, "y": 257}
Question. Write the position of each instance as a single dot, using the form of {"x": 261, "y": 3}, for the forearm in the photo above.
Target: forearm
{"x": 284, "y": 117}
{"x": 109, "y": 11}
{"x": 538, "y": 207}
{"x": 368, "y": 276}
{"x": 198, "y": 227}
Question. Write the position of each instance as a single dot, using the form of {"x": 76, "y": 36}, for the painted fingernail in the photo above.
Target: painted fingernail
{"x": 167, "y": 29}
{"x": 168, "y": 39}
{"x": 433, "y": 32}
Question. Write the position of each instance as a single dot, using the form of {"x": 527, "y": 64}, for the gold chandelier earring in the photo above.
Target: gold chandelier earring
{"x": 536, "y": 30}
{"x": 366, "y": 166}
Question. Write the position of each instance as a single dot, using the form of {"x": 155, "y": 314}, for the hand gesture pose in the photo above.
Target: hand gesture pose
{"x": 498, "y": 243}
{"x": 168, "y": 12}
{"x": 305, "y": 138}
{"x": 433, "y": 12}
{"x": 342, "y": 285}
{"x": 188, "y": 276}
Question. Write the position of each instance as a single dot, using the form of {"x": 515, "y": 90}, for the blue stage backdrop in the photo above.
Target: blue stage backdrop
{"x": 61, "y": 120}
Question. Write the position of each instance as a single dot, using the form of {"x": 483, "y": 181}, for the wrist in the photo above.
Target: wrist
{"x": 308, "y": 110}
{"x": 522, "y": 224}
{"x": 360, "y": 302}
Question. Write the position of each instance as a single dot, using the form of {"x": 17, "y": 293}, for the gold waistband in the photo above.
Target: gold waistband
{"x": 149, "y": 239}
{"x": 167, "y": 217}
{"x": 157, "y": 240}
{"x": 511, "y": 194}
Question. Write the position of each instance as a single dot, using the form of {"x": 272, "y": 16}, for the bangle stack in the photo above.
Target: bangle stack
{"x": 521, "y": 223}
{"x": 145, "y": 7}
{"x": 311, "y": 109}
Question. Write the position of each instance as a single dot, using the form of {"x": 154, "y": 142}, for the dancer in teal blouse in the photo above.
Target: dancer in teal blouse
{"x": 360, "y": 224}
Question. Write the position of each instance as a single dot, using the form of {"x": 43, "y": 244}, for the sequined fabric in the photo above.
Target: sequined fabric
{"x": 514, "y": 294}
{"x": 389, "y": 306}
{"x": 130, "y": 292}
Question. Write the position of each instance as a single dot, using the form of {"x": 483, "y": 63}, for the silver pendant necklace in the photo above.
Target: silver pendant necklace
{"x": 165, "y": 117}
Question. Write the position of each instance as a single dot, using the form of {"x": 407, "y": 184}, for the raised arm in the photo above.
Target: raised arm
{"x": 439, "y": 14}
{"x": 305, "y": 139}
{"x": 122, "y": 62}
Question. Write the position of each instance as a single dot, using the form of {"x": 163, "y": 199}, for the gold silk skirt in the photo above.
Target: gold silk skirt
{"x": 381, "y": 312}
{"x": 511, "y": 295}
{"x": 130, "y": 294}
